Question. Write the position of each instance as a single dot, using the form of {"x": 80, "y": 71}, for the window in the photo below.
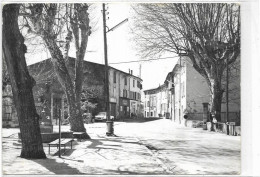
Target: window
{"x": 125, "y": 93}
{"x": 125, "y": 80}
{"x": 114, "y": 91}
{"x": 133, "y": 83}
{"x": 114, "y": 76}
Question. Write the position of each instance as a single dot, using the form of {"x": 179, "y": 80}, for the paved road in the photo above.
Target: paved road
{"x": 151, "y": 147}
{"x": 186, "y": 150}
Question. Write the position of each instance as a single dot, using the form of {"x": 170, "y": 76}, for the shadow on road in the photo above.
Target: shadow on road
{"x": 139, "y": 120}
{"x": 57, "y": 168}
{"x": 102, "y": 143}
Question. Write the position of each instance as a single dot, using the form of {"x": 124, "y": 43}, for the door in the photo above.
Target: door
{"x": 113, "y": 109}
{"x": 125, "y": 110}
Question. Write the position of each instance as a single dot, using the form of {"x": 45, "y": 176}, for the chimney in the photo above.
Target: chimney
{"x": 131, "y": 72}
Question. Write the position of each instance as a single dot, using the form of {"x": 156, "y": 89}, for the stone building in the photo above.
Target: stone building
{"x": 124, "y": 89}
{"x": 50, "y": 100}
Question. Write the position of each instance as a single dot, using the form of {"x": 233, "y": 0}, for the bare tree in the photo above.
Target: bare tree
{"x": 209, "y": 34}
{"x": 58, "y": 25}
{"x": 22, "y": 84}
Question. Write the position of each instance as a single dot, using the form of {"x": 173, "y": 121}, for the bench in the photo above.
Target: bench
{"x": 63, "y": 142}
{"x": 78, "y": 135}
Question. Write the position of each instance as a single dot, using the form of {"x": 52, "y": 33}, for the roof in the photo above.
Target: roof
{"x": 94, "y": 64}
{"x": 156, "y": 89}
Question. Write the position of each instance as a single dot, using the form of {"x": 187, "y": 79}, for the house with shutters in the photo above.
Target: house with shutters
{"x": 50, "y": 100}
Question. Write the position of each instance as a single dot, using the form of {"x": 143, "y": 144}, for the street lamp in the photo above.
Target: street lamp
{"x": 110, "y": 128}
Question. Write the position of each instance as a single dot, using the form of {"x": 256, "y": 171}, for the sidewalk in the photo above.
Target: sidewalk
{"x": 141, "y": 148}
{"x": 100, "y": 155}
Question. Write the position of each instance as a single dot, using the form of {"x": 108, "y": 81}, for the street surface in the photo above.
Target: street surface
{"x": 152, "y": 147}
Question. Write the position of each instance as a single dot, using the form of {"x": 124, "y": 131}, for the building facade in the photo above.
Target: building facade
{"x": 184, "y": 90}
{"x": 50, "y": 100}
{"x": 125, "y": 94}
{"x": 156, "y": 102}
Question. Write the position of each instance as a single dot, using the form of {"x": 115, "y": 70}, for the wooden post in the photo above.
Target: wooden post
{"x": 52, "y": 107}
{"x": 59, "y": 135}
{"x": 62, "y": 107}
{"x": 227, "y": 118}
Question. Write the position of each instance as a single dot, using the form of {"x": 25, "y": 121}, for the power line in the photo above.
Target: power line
{"x": 145, "y": 60}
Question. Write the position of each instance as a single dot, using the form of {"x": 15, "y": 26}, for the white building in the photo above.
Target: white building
{"x": 184, "y": 90}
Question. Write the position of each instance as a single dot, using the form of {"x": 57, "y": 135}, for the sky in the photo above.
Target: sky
{"x": 120, "y": 47}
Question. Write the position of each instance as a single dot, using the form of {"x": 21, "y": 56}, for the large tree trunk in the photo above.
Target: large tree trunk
{"x": 216, "y": 97}
{"x": 22, "y": 83}
{"x": 76, "y": 126}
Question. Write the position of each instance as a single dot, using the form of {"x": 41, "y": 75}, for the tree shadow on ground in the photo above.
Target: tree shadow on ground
{"x": 57, "y": 168}
{"x": 139, "y": 120}
{"x": 64, "y": 152}
{"x": 96, "y": 143}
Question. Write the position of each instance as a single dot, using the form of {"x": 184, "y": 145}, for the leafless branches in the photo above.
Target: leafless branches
{"x": 207, "y": 33}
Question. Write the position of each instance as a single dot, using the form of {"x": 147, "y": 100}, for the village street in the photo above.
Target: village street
{"x": 155, "y": 146}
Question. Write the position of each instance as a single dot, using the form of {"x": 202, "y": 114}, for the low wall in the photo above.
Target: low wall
{"x": 193, "y": 123}
{"x": 222, "y": 128}
{"x": 218, "y": 127}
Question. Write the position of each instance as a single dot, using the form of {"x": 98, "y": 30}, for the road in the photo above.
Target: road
{"x": 157, "y": 146}
{"x": 187, "y": 150}
{"x": 181, "y": 149}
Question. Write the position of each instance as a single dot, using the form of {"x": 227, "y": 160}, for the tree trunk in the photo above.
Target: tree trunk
{"x": 22, "y": 84}
{"x": 216, "y": 96}
{"x": 76, "y": 121}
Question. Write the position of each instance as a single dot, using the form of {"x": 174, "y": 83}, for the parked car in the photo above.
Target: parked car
{"x": 101, "y": 116}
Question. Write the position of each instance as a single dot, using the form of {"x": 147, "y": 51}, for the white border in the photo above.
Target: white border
{"x": 250, "y": 77}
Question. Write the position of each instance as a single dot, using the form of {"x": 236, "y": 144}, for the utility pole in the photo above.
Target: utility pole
{"x": 110, "y": 128}
{"x": 109, "y": 123}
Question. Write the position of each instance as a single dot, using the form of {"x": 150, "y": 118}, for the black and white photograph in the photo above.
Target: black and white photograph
{"x": 129, "y": 88}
